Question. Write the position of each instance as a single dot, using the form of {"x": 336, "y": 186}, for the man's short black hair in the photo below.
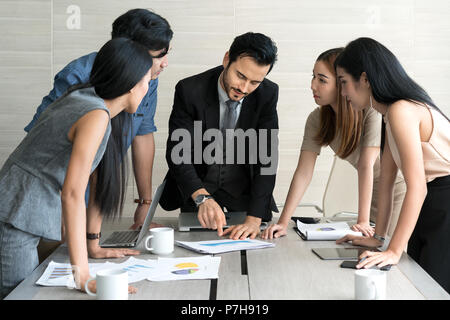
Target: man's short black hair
{"x": 145, "y": 27}
{"x": 255, "y": 45}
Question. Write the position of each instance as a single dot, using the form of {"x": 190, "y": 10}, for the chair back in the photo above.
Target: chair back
{"x": 341, "y": 192}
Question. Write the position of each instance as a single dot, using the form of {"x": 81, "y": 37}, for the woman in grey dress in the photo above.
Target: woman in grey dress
{"x": 77, "y": 140}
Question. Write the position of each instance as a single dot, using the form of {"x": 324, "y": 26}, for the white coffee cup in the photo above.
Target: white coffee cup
{"x": 112, "y": 284}
{"x": 370, "y": 284}
{"x": 161, "y": 240}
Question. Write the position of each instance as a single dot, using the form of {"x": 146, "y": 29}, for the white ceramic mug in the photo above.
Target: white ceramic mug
{"x": 370, "y": 284}
{"x": 161, "y": 240}
{"x": 112, "y": 284}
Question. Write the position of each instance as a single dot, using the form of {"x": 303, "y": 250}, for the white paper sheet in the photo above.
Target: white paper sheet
{"x": 221, "y": 246}
{"x": 60, "y": 274}
{"x": 325, "y": 231}
{"x": 138, "y": 269}
{"x": 188, "y": 268}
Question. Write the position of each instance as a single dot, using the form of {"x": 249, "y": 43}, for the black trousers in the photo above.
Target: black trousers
{"x": 429, "y": 244}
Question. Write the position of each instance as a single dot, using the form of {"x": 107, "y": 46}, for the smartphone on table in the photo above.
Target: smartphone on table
{"x": 352, "y": 265}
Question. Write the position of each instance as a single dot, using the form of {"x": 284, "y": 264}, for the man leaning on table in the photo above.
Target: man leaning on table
{"x": 235, "y": 95}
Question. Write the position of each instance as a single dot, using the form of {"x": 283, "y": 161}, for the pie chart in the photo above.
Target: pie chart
{"x": 186, "y": 265}
{"x": 185, "y": 271}
{"x": 186, "y": 268}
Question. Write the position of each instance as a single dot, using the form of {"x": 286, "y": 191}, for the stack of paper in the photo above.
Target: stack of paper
{"x": 138, "y": 269}
{"x": 188, "y": 268}
{"x": 325, "y": 231}
{"x": 163, "y": 269}
{"x": 221, "y": 246}
{"x": 60, "y": 274}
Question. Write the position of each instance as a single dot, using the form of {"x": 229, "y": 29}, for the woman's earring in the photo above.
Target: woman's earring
{"x": 370, "y": 99}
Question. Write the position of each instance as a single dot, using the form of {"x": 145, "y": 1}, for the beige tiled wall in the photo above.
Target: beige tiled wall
{"x": 35, "y": 43}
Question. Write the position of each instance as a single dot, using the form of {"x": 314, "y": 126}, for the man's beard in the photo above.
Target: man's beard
{"x": 227, "y": 86}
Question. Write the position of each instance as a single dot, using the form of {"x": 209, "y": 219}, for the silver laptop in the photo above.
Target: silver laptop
{"x": 131, "y": 238}
{"x": 188, "y": 221}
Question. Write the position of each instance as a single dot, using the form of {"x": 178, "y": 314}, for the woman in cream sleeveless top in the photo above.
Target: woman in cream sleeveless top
{"x": 370, "y": 137}
{"x": 362, "y": 129}
{"x": 418, "y": 143}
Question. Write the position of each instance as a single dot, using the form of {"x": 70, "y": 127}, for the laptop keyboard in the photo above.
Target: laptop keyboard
{"x": 122, "y": 237}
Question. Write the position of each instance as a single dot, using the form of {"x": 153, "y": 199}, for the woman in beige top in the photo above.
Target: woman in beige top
{"x": 353, "y": 135}
{"x": 418, "y": 143}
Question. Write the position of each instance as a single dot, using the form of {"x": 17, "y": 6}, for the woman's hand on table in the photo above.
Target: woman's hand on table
{"x": 97, "y": 252}
{"x": 92, "y": 286}
{"x": 360, "y": 241}
{"x": 364, "y": 228}
{"x": 380, "y": 259}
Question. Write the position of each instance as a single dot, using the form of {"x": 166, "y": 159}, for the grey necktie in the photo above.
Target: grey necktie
{"x": 230, "y": 116}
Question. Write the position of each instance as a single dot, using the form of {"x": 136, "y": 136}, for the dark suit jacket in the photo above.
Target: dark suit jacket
{"x": 196, "y": 99}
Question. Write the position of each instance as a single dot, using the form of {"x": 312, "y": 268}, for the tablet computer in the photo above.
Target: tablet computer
{"x": 341, "y": 253}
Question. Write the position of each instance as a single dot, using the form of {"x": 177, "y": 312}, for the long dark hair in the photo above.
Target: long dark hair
{"x": 119, "y": 65}
{"x": 347, "y": 121}
{"x": 388, "y": 79}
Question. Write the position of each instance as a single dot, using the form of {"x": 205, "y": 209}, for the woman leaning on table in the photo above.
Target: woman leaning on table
{"x": 354, "y": 136}
{"x": 418, "y": 143}
{"x": 48, "y": 172}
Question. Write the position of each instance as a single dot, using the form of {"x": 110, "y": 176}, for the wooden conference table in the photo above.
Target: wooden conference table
{"x": 288, "y": 271}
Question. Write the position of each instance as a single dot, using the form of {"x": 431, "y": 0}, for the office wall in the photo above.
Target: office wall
{"x": 39, "y": 37}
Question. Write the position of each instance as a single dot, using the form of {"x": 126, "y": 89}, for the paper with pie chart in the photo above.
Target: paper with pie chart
{"x": 60, "y": 274}
{"x": 188, "y": 268}
{"x": 325, "y": 231}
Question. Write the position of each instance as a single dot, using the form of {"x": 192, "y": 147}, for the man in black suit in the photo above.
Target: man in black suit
{"x": 236, "y": 98}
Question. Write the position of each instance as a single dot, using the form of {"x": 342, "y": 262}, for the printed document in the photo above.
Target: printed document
{"x": 325, "y": 231}
{"x": 221, "y": 246}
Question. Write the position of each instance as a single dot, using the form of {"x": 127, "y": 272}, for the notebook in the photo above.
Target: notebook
{"x": 324, "y": 231}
